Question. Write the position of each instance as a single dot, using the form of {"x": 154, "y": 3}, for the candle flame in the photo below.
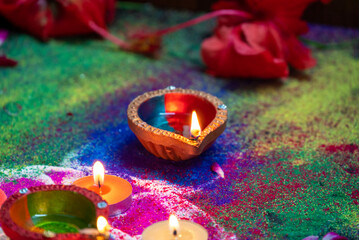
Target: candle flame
{"x": 195, "y": 128}
{"x": 102, "y": 225}
{"x": 174, "y": 225}
{"x": 98, "y": 173}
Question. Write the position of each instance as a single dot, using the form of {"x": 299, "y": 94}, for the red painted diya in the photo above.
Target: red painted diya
{"x": 162, "y": 122}
{"x": 51, "y": 212}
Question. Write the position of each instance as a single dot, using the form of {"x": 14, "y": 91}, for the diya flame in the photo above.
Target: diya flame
{"x": 195, "y": 127}
{"x": 98, "y": 173}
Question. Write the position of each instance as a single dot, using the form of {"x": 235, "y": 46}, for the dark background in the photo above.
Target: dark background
{"x": 338, "y": 12}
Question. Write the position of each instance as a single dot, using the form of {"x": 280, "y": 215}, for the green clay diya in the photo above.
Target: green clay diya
{"x": 52, "y": 212}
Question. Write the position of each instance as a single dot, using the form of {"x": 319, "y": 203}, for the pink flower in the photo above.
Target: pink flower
{"x": 328, "y": 236}
{"x": 260, "y": 47}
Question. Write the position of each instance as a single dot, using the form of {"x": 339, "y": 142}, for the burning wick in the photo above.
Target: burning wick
{"x": 98, "y": 174}
{"x": 102, "y": 231}
{"x": 102, "y": 225}
{"x": 174, "y": 227}
{"x": 195, "y": 128}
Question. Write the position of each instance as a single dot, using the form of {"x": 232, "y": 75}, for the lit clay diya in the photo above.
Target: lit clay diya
{"x": 162, "y": 120}
{"x": 115, "y": 190}
{"x": 52, "y": 212}
{"x": 175, "y": 229}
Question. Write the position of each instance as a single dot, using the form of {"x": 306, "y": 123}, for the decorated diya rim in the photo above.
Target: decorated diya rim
{"x": 154, "y": 138}
{"x": 8, "y": 223}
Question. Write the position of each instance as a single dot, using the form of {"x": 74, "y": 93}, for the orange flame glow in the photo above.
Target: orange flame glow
{"x": 98, "y": 173}
{"x": 102, "y": 225}
{"x": 195, "y": 127}
{"x": 174, "y": 225}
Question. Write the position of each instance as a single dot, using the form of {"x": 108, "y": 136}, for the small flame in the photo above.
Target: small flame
{"x": 98, "y": 173}
{"x": 102, "y": 225}
{"x": 174, "y": 225}
{"x": 195, "y": 128}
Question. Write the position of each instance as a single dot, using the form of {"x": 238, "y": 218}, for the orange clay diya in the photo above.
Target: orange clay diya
{"x": 55, "y": 212}
{"x": 177, "y": 124}
{"x": 115, "y": 190}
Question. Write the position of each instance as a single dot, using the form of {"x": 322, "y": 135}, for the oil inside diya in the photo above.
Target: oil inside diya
{"x": 115, "y": 190}
{"x": 162, "y": 121}
{"x": 51, "y": 211}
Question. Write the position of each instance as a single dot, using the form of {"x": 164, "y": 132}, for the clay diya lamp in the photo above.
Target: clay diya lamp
{"x": 164, "y": 123}
{"x": 115, "y": 190}
{"x": 53, "y": 212}
{"x": 175, "y": 229}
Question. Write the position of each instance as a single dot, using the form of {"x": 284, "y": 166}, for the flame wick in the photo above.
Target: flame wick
{"x": 99, "y": 186}
{"x": 175, "y": 234}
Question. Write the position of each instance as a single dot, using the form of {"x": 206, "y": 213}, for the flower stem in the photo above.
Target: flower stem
{"x": 105, "y": 34}
{"x": 224, "y": 12}
{"x": 124, "y": 45}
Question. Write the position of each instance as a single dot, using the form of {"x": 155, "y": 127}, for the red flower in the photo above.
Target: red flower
{"x": 262, "y": 47}
{"x": 7, "y": 62}
{"x": 57, "y": 18}
{"x": 4, "y": 61}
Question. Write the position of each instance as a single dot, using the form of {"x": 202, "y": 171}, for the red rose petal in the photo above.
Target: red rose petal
{"x": 228, "y": 54}
{"x": 217, "y": 169}
{"x": 263, "y": 36}
{"x": 262, "y": 48}
{"x": 7, "y": 62}
{"x": 298, "y": 55}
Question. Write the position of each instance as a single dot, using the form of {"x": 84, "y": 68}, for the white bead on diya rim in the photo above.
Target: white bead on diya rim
{"x": 174, "y": 229}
